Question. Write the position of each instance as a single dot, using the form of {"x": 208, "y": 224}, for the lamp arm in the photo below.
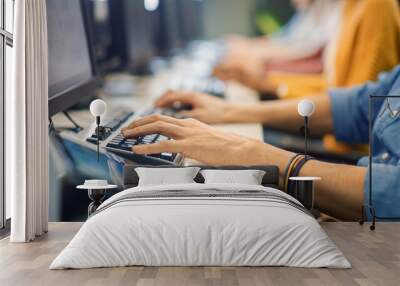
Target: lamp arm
{"x": 98, "y": 137}
{"x": 305, "y": 138}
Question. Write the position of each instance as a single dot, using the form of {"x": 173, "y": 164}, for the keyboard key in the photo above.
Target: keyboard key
{"x": 126, "y": 148}
{"x": 167, "y": 156}
{"x": 113, "y": 145}
{"x": 118, "y": 138}
{"x": 92, "y": 140}
{"x": 149, "y": 139}
{"x": 126, "y": 145}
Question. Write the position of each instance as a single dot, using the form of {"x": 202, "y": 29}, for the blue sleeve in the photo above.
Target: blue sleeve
{"x": 385, "y": 189}
{"x": 350, "y": 107}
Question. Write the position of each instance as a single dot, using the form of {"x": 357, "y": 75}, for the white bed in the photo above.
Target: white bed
{"x": 224, "y": 225}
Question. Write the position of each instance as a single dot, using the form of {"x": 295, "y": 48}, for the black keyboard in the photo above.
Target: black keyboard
{"x": 211, "y": 86}
{"x": 120, "y": 143}
{"x": 107, "y": 129}
{"x": 118, "y": 120}
{"x": 123, "y": 146}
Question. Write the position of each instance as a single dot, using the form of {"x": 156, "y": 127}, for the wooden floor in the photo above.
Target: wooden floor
{"x": 375, "y": 257}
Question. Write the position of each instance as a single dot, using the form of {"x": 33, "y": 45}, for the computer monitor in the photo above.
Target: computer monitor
{"x": 190, "y": 15}
{"x": 71, "y": 70}
{"x": 141, "y": 26}
{"x": 106, "y": 29}
{"x": 169, "y": 38}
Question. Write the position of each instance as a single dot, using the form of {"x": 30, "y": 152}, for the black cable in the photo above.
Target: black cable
{"x": 98, "y": 137}
{"x": 306, "y": 138}
{"x": 52, "y": 129}
{"x": 77, "y": 126}
{"x": 56, "y": 134}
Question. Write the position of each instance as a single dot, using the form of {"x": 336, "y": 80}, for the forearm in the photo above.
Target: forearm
{"x": 339, "y": 193}
{"x": 282, "y": 114}
{"x": 269, "y": 49}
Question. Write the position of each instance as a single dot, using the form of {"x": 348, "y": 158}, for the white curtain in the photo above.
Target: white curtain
{"x": 27, "y": 123}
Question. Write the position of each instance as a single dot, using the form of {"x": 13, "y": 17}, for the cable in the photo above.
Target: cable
{"x": 77, "y": 126}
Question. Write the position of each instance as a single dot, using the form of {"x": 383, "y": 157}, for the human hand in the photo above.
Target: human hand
{"x": 192, "y": 139}
{"x": 206, "y": 108}
{"x": 248, "y": 70}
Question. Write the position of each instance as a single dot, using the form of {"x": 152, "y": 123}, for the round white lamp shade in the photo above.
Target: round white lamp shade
{"x": 305, "y": 108}
{"x": 98, "y": 107}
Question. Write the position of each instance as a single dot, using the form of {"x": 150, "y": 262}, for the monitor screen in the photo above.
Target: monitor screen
{"x": 190, "y": 19}
{"x": 140, "y": 25}
{"x": 69, "y": 58}
{"x": 100, "y": 24}
{"x": 106, "y": 28}
{"x": 170, "y": 26}
{"x": 172, "y": 23}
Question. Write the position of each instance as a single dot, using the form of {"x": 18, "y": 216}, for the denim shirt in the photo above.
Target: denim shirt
{"x": 350, "y": 110}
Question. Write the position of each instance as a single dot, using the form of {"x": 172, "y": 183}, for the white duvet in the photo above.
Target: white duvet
{"x": 200, "y": 231}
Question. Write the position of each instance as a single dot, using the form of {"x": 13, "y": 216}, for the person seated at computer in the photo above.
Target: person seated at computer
{"x": 367, "y": 43}
{"x": 297, "y": 46}
{"x": 344, "y": 112}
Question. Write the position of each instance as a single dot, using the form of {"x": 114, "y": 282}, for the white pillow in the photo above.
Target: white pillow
{"x": 247, "y": 177}
{"x": 166, "y": 176}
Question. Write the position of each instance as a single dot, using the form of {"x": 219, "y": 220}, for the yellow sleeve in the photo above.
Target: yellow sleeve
{"x": 291, "y": 85}
{"x": 369, "y": 46}
{"x": 373, "y": 44}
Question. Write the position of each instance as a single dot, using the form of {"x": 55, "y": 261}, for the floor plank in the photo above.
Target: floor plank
{"x": 375, "y": 257}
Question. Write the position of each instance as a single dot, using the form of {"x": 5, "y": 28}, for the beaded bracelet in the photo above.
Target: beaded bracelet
{"x": 290, "y": 172}
{"x": 295, "y": 172}
{"x": 288, "y": 169}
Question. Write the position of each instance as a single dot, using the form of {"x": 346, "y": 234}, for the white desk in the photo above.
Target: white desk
{"x": 239, "y": 94}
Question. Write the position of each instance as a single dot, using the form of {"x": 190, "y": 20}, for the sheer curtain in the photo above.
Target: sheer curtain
{"x": 27, "y": 121}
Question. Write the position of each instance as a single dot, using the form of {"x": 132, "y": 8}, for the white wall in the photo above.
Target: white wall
{"x": 222, "y": 17}
{"x": 228, "y": 16}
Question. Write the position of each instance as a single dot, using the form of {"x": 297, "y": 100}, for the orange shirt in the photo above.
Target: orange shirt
{"x": 368, "y": 43}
